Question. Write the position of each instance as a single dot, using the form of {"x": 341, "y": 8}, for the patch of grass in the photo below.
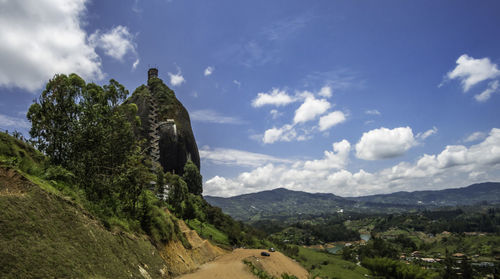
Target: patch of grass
{"x": 208, "y": 231}
{"x": 326, "y": 265}
{"x": 261, "y": 274}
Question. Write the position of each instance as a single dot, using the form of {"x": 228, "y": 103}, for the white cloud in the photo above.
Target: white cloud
{"x": 116, "y": 43}
{"x": 332, "y": 160}
{"x": 211, "y": 116}
{"x": 276, "y": 98}
{"x": 385, "y": 143}
{"x": 220, "y": 186}
{"x": 274, "y": 171}
{"x": 227, "y": 156}
{"x": 237, "y": 83}
{"x": 208, "y": 71}
{"x": 427, "y": 133}
{"x": 331, "y": 119}
{"x": 176, "y": 79}
{"x": 372, "y": 112}
{"x": 41, "y": 38}
{"x": 136, "y": 63}
{"x": 285, "y": 133}
{"x": 326, "y": 92}
{"x": 454, "y": 166}
{"x": 13, "y": 122}
{"x": 310, "y": 109}
{"x": 472, "y": 71}
{"x": 275, "y": 113}
{"x": 486, "y": 94}
{"x": 454, "y": 160}
{"x": 475, "y": 136}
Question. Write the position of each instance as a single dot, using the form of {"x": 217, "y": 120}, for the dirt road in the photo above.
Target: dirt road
{"x": 231, "y": 266}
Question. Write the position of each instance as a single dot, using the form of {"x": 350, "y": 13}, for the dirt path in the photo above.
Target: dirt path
{"x": 231, "y": 266}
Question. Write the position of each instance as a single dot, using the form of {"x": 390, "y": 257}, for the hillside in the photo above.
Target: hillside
{"x": 282, "y": 203}
{"x": 470, "y": 195}
{"x": 47, "y": 229}
{"x": 278, "y": 202}
{"x": 45, "y": 234}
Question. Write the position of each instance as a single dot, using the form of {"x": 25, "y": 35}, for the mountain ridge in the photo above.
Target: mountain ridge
{"x": 284, "y": 202}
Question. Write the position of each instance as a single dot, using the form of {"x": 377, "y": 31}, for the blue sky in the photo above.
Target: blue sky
{"x": 346, "y": 97}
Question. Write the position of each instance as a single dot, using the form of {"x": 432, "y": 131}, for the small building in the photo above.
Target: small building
{"x": 458, "y": 255}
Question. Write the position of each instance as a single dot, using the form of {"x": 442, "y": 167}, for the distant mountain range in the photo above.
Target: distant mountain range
{"x": 284, "y": 203}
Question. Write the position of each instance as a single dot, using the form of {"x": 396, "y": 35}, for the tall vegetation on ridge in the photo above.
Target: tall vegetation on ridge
{"x": 87, "y": 129}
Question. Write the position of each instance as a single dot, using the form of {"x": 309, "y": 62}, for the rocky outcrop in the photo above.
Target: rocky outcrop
{"x": 165, "y": 125}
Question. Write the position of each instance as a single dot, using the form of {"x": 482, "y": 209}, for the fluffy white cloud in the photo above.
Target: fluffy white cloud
{"x": 211, "y": 116}
{"x": 176, "y": 79}
{"x": 41, "y": 38}
{"x": 372, "y": 112}
{"x": 427, "y": 133}
{"x": 454, "y": 160}
{"x": 332, "y": 160}
{"x": 385, "y": 143}
{"x": 310, "y": 109}
{"x": 220, "y": 186}
{"x": 326, "y": 92}
{"x": 285, "y": 133}
{"x": 475, "y": 136}
{"x": 486, "y": 94}
{"x": 116, "y": 43}
{"x": 208, "y": 71}
{"x": 276, "y": 98}
{"x": 227, "y": 156}
{"x": 238, "y": 83}
{"x": 331, "y": 119}
{"x": 280, "y": 172}
{"x": 455, "y": 166}
{"x": 471, "y": 71}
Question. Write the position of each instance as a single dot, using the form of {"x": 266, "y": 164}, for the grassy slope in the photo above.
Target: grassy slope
{"x": 210, "y": 232}
{"x": 44, "y": 235}
{"x": 326, "y": 265}
{"x": 46, "y": 232}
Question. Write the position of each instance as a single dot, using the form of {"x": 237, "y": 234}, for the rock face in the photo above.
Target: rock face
{"x": 165, "y": 125}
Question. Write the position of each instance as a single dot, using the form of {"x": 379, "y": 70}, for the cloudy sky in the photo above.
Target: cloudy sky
{"x": 346, "y": 97}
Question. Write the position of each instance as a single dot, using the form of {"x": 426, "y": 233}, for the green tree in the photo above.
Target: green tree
{"x": 348, "y": 254}
{"x": 177, "y": 194}
{"x": 86, "y": 128}
{"x": 193, "y": 178}
{"x": 54, "y": 117}
{"x": 132, "y": 181}
{"x": 190, "y": 208}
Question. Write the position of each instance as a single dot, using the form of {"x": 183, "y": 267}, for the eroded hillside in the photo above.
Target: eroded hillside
{"x": 44, "y": 234}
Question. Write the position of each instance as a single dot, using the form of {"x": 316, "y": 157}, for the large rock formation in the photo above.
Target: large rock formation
{"x": 165, "y": 125}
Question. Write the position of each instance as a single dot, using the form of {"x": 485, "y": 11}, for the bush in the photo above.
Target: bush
{"x": 154, "y": 221}
{"x": 58, "y": 173}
